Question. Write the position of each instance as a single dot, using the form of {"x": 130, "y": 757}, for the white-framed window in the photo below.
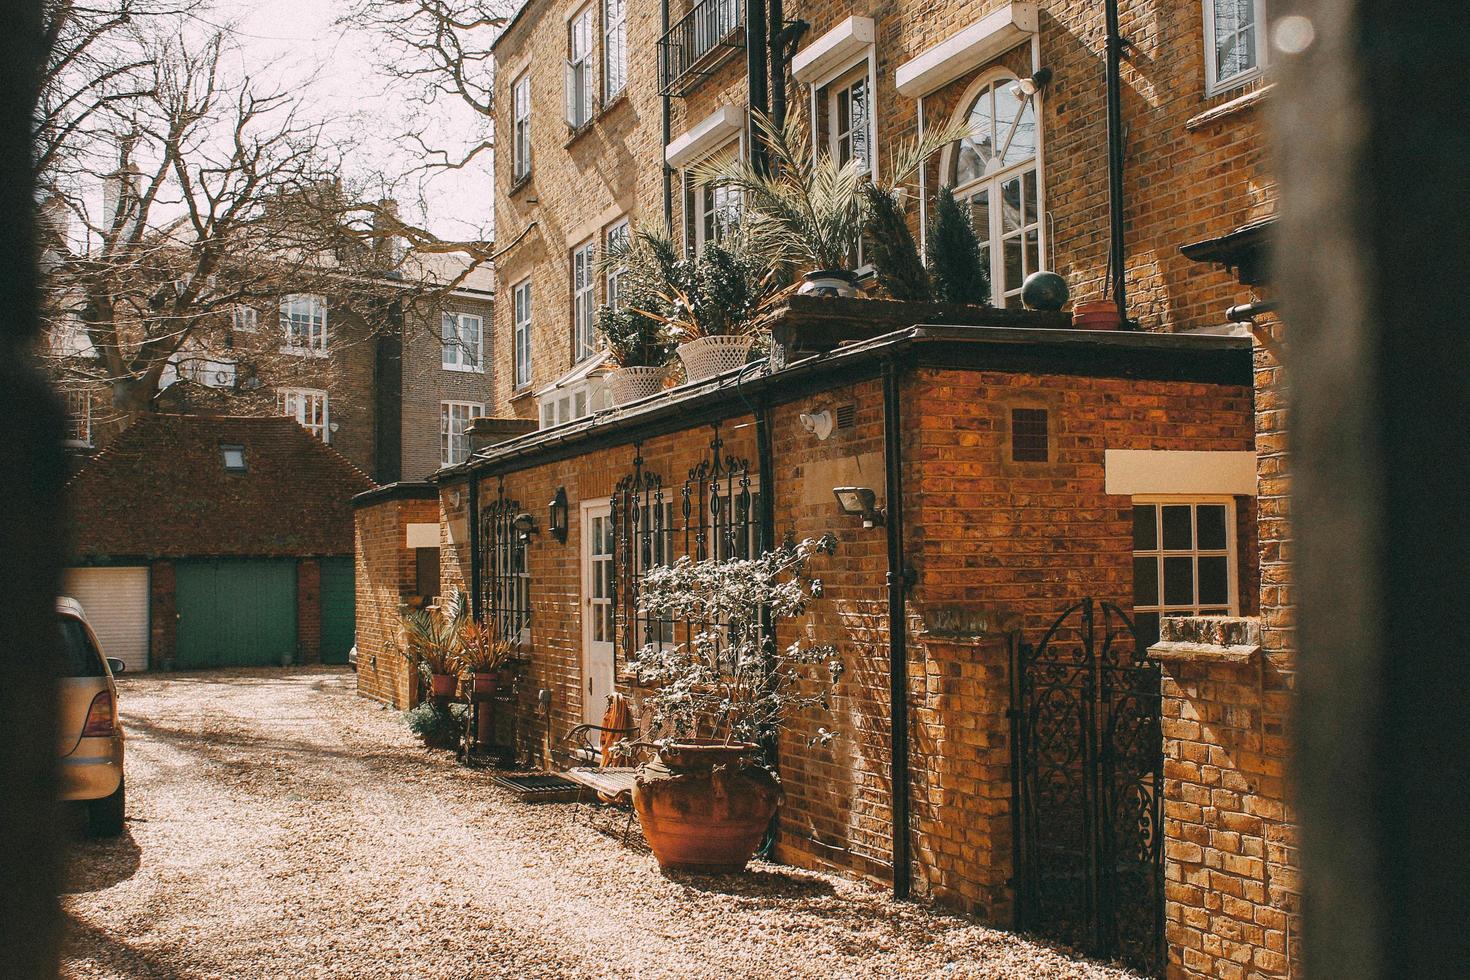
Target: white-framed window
{"x": 579, "y": 69}
{"x": 521, "y": 332}
{"x": 584, "y": 301}
{"x": 246, "y": 319}
{"x": 304, "y": 323}
{"x": 307, "y": 406}
{"x": 462, "y": 335}
{"x": 79, "y": 418}
{"x": 1234, "y": 53}
{"x": 1184, "y": 560}
{"x": 848, "y": 104}
{"x": 454, "y": 429}
{"x": 616, "y": 236}
{"x": 711, "y": 208}
{"x": 573, "y": 402}
{"x": 995, "y": 172}
{"x": 614, "y": 48}
{"x": 520, "y": 98}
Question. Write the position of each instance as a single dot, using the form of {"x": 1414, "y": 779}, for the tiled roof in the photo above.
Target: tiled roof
{"x": 161, "y": 490}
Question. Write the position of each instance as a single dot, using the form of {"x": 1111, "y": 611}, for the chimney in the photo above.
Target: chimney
{"x": 385, "y": 244}
{"x": 119, "y": 191}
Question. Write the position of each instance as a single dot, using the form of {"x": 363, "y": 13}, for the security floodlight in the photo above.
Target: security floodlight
{"x": 860, "y": 502}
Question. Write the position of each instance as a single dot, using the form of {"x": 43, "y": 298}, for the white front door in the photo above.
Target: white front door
{"x": 597, "y": 611}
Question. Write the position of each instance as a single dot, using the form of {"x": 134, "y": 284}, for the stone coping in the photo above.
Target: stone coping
{"x": 1207, "y": 639}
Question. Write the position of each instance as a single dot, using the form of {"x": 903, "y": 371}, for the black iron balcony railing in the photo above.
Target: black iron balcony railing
{"x": 698, "y": 42}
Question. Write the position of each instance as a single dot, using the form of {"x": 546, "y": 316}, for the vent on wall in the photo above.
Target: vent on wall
{"x": 846, "y": 416}
{"x": 1029, "y": 443}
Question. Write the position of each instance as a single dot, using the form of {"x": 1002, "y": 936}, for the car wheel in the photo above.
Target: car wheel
{"x": 105, "y": 816}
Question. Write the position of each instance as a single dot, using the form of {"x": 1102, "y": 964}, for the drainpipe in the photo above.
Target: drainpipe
{"x": 777, "y": 21}
{"x": 472, "y": 505}
{"x": 755, "y": 70}
{"x": 899, "y": 579}
{"x": 1115, "y": 43}
{"x": 668, "y": 126}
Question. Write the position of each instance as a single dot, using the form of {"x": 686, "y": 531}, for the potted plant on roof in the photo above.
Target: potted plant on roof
{"x": 705, "y": 800}
{"x": 635, "y": 333}
{"x": 809, "y": 208}
{"x": 430, "y": 641}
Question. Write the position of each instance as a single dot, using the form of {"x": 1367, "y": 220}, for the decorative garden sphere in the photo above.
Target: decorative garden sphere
{"x": 1044, "y": 291}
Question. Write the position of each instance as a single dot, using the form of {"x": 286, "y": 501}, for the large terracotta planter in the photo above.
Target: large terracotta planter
{"x": 443, "y": 685}
{"x": 1097, "y": 315}
{"x": 482, "y": 684}
{"x": 704, "y": 806}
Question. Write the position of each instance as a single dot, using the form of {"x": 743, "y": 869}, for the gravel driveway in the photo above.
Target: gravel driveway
{"x": 280, "y": 826}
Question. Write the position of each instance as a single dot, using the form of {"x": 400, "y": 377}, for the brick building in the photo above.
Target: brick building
{"x": 607, "y": 107}
{"x": 209, "y": 541}
{"x": 390, "y": 383}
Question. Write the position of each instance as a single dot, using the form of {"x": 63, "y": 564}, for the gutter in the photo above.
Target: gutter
{"x": 900, "y": 577}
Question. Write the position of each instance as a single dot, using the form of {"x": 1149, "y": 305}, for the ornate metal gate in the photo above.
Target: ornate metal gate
{"x": 1088, "y": 767}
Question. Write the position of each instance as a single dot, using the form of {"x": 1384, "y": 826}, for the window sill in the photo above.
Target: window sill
{"x": 520, "y": 183}
{"x": 461, "y": 369}
{"x": 575, "y": 135}
{"x": 1226, "y": 109}
{"x": 305, "y": 352}
{"x": 520, "y": 394}
{"x": 612, "y": 105}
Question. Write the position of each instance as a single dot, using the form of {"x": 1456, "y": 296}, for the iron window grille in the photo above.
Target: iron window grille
{"x": 712, "y": 515}
{"x": 505, "y": 595}
{"x": 1029, "y": 441}
{"x": 698, "y": 42}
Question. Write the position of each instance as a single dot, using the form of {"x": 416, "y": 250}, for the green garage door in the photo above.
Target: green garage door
{"x": 339, "y": 602}
{"x": 235, "y": 612}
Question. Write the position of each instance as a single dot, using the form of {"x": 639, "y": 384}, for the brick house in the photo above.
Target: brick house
{"x": 208, "y": 541}
{"x": 390, "y": 384}
{"x": 606, "y": 108}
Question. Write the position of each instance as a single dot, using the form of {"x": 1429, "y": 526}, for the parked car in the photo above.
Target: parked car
{"x": 91, "y": 738}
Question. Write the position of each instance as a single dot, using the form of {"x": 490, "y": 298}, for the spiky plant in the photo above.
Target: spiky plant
{"x": 431, "y": 639}
{"x": 809, "y": 209}
{"x": 954, "y": 255}
{"x": 890, "y": 246}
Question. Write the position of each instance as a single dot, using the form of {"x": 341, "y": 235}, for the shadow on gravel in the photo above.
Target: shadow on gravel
{"x": 211, "y": 744}
{"x": 84, "y": 941}
{"x": 96, "y": 863}
{"x": 754, "y": 884}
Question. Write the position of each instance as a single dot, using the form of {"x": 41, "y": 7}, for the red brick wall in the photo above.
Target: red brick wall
{"x": 386, "y": 576}
{"x": 308, "y": 611}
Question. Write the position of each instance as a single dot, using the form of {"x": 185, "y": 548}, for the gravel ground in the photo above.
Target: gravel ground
{"x": 280, "y": 826}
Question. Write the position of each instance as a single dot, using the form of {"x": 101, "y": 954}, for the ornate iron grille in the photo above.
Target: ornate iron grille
{"x": 713, "y": 516}
{"x": 1088, "y": 769}
{"x": 506, "y": 581}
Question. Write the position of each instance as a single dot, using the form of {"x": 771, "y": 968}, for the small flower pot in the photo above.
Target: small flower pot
{"x": 631, "y": 384}
{"x": 1098, "y": 315}
{"x": 828, "y": 282}
{"x": 708, "y": 357}
{"x": 443, "y": 685}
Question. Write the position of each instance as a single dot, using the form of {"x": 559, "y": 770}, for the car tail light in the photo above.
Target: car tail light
{"x": 101, "y": 718}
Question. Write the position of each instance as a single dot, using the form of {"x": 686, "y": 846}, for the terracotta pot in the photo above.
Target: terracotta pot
{"x": 828, "y": 282}
{"x": 507, "y": 679}
{"x": 1098, "y": 315}
{"x": 630, "y": 384}
{"x": 482, "y": 684}
{"x": 704, "y": 806}
{"x": 443, "y": 685}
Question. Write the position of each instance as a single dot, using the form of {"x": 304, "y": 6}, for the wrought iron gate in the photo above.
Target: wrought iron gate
{"x": 1088, "y": 766}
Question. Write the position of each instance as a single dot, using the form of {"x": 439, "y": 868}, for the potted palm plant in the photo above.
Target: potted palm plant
{"x": 483, "y": 654}
{"x": 705, "y": 800}
{"x": 809, "y": 209}
{"x": 430, "y": 641}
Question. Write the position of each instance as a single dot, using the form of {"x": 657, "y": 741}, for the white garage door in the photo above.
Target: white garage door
{"x": 116, "y": 603}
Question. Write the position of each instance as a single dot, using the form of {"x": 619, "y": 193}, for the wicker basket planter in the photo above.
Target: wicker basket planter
{"x": 706, "y": 357}
{"x": 630, "y": 384}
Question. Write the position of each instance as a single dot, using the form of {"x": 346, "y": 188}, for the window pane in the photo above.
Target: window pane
{"x": 1010, "y": 205}
{"x": 980, "y": 215}
{"x": 1146, "y": 581}
{"x": 1013, "y": 274}
{"x": 1178, "y": 581}
{"x": 1147, "y": 624}
{"x": 1177, "y": 533}
{"x": 1214, "y": 580}
{"x": 1145, "y": 527}
{"x": 1210, "y": 521}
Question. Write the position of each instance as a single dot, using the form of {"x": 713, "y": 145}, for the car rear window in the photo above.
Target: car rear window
{"x": 79, "y": 657}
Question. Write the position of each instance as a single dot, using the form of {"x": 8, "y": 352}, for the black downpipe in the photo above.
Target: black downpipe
{"x": 778, "y": 31}
{"x": 476, "y": 572}
{"x": 898, "y": 663}
{"x": 1115, "y": 43}
{"x": 755, "y": 68}
{"x": 668, "y": 125}
{"x": 770, "y": 740}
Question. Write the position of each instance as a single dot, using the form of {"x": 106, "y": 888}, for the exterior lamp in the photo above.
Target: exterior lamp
{"x": 860, "y": 502}
{"x": 525, "y": 525}
{"x": 556, "y": 518}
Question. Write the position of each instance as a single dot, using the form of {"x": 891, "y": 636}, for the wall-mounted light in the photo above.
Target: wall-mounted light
{"x": 525, "y": 526}
{"x": 819, "y": 424}
{"x": 860, "y": 502}
{"x": 556, "y": 518}
{"x": 1027, "y": 87}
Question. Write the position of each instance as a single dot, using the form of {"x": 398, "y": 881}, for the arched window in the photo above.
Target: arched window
{"x": 994, "y": 171}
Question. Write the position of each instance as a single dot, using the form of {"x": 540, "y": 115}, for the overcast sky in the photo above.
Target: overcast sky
{"x": 337, "y": 70}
